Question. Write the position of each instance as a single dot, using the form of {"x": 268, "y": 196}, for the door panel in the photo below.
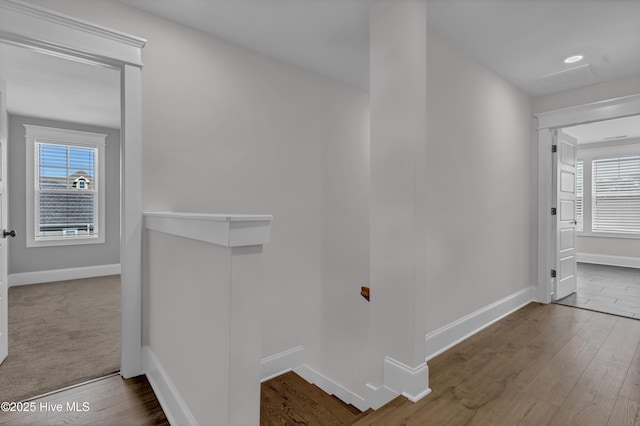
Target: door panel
{"x": 567, "y": 210}
{"x": 567, "y": 182}
{"x": 4, "y": 320}
{"x": 564, "y": 227}
{"x": 567, "y": 240}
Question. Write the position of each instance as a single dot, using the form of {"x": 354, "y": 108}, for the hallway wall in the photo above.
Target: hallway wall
{"x": 481, "y": 185}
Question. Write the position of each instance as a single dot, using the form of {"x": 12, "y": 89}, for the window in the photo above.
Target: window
{"x": 616, "y": 195}
{"x": 608, "y": 191}
{"x": 65, "y": 187}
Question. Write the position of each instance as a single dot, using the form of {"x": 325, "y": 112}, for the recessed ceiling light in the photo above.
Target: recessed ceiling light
{"x": 573, "y": 59}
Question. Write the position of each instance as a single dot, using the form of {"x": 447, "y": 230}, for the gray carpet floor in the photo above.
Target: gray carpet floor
{"x": 60, "y": 334}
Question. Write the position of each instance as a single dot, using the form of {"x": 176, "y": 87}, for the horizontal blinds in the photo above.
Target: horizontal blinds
{"x": 579, "y": 197}
{"x": 616, "y": 195}
{"x": 66, "y": 190}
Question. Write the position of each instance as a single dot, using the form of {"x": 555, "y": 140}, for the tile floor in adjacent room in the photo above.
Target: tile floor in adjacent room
{"x": 609, "y": 289}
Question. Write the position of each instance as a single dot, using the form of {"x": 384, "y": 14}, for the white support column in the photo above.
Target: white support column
{"x": 245, "y": 337}
{"x": 131, "y": 220}
{"x": 398, "y": 193}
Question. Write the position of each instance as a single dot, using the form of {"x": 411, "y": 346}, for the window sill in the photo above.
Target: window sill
{"x": 609, "y": 235}
{"x": 76, "y": 241}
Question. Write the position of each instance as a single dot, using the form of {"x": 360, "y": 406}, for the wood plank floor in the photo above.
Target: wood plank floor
{"x": 290, "y": 400}
{"x": 109, "y": 401}
{"x": 610, "y": 289}
{"x": 542, "y": 365}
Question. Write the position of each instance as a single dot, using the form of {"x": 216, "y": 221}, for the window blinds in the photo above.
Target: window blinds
{"x": 66, "y": 194}
{"x": 616, "y": 195}
{"x": 579, "y": 195}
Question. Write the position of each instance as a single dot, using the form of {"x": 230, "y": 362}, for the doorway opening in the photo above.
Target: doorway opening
{"x": 64, "y": 304}
{"x": 606, "y": 214}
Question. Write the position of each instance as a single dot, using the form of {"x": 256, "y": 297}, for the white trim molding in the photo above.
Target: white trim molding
{"x": 293, "y": 360}
{"x": 51, "y": 32}
{"x": 53, "y": 275}
{"x": 451, "y": 334}
{"x": 595, "y": 111}
{"x": 399, "y": 379}
{"x": 281, "y": 363}
{"x": 410, "y": 382}
{"x": 227, "y": 230}
{"x": 170, "y": 400}
{"x": 603, "y": 259}
{"x": 331, "y": 387}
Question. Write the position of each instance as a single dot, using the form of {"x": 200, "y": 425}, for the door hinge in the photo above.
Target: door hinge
{"x": 553, "y": 273}
{"x": 554, "y": 148}
{"x": 554, "y": 211}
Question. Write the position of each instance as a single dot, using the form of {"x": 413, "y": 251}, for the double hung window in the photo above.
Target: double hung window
{"x": 65, "y": 187}
{"x": 608, "y": 193}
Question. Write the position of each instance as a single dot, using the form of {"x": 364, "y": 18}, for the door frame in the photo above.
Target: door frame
{"x": 42, "y": 30}
{"x": 547, "y": 123}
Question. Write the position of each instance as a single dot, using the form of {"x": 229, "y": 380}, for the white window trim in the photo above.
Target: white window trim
{"x": 40, "y": 134}
{"x": 588, "y": 155}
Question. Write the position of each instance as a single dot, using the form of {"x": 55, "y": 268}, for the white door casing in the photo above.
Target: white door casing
{"x": 4, "y": 253}
{"x": 564, "y": 225}
{"x": 547, "y": 122}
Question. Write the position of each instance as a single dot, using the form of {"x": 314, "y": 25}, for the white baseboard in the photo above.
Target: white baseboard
{"x": 331, "y": 387}
{"x": 25, "y": 278}
{"x": 399, "y": 379}
{"x": 170, "y": 400}
{"x": 450, "y": 335}
{"x": 410, "y": 382}
{"x": 278, "y": 364}
{"x": 603, "y": 259}
{"x": 379, "y": 396}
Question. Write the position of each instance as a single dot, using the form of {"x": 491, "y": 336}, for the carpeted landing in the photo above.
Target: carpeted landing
{"x": 60, "y": 334}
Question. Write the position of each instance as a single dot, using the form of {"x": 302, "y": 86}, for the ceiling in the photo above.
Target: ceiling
{"x": 330, "y": 37}
{"x": 45, "y": 86}
{"x": 610, "y": 130}
{"x": 521, "y": 40}
{"x": 524, "y": 41}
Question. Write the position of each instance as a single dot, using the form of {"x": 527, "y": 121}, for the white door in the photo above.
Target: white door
{"x": 565, "y": 264}
{"x": 4, "y": 314}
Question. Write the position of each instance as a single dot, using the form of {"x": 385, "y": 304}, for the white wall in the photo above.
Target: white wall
{"x": 481, "y": 186}
{"x": 229, "y": 130}
{"x": 344, "y": 336}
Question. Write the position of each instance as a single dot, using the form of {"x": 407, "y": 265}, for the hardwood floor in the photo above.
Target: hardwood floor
{"x": 108, "y": 401}
{"x": 290, "y": 400}
{"x": 542, "y": 365}
{"x": 610, "y": 289}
